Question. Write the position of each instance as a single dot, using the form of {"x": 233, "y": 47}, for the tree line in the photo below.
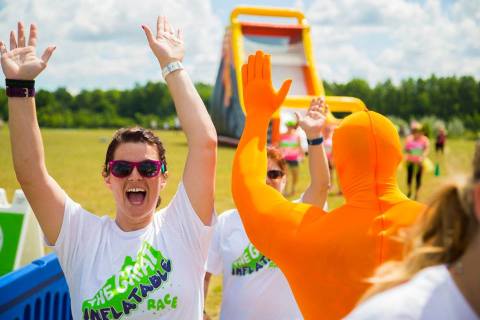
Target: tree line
{"x": 148, "y": 105}
{"x": 151, "y": 105}
{"x": 446, "y": 98}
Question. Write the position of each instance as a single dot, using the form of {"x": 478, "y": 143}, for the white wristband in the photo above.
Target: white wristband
{"x": 172, "y": 66}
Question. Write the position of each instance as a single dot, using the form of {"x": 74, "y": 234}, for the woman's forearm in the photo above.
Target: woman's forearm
{"x": 29, "y": 164}
{"x": 26, "y": 141}
{"x": 317, "y": 191}
{"x": 191, "y": 111}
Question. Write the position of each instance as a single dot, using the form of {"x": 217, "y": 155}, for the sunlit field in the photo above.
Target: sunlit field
{"x": 75, "y": 157}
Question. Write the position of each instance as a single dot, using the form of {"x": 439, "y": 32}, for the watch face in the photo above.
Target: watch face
{"x": 173, "y": 66}
{"x": 20, "y": 92}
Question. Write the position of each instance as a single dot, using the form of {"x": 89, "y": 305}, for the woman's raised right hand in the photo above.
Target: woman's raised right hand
{"x": 168, "y": 44}
{"x": 21, "y": 62}
{"x": 315, "y": 118}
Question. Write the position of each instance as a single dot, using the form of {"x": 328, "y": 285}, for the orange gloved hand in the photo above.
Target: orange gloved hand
{"x": 259, "y": 97}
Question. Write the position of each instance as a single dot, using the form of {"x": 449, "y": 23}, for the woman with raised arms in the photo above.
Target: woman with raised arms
{"x": 143, "y": 264}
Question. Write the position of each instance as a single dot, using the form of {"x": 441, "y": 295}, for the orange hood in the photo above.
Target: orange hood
{"x": 367, "y": 164}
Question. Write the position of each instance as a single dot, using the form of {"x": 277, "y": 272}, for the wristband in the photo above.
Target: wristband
{"x": 315, "y": 141}
{"x": 172, "y": 66}
{"x": 20, "y": 88}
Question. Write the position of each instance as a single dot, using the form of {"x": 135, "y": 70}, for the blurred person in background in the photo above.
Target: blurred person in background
{"x": 440, "y": 140}
{"x": 291, "y": 148}
{"x": 416, "y": 150}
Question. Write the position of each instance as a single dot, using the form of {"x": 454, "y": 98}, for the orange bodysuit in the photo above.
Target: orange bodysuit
{"x": 326, "y": 257}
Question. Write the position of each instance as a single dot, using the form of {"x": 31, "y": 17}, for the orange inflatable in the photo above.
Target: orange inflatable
{"x": 326, "y": 257}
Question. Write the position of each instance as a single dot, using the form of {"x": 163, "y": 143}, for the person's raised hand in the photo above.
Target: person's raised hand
{"x": 314, "y": 120}
{"x": 168, "y": 44}
{"x": 259, "y": 96}
{"x": 21, "y": 62}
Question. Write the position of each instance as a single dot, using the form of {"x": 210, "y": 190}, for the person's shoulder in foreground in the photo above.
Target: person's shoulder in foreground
{"x": 431, "y": 294}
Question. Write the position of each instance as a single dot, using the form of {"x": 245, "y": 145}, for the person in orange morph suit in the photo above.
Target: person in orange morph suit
{"x": 326, "y": 257}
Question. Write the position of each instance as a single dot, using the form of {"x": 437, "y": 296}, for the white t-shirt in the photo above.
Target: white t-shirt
{"x": 153, "y": 273}
{"x": 431, "y": 294}
{"x": 253, "y": 286}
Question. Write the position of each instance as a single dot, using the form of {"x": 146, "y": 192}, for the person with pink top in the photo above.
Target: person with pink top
{"x": 416, "y": 149}
{"x": 291, "y": 148}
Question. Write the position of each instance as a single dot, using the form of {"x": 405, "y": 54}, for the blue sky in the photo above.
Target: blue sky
{"x": 101, "y": 44}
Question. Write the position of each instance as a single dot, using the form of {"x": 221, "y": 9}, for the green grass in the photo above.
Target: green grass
{"x": 74, "y": 158}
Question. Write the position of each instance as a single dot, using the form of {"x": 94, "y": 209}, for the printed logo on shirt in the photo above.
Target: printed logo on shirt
{"x": 251, "y": 261}
{"x": 138, "y": 278}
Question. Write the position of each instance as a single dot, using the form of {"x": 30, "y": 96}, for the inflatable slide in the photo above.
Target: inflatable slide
{"x": 285, "y": 35}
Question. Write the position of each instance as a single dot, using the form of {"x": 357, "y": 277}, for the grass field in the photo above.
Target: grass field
{"x": 74, "y": 158}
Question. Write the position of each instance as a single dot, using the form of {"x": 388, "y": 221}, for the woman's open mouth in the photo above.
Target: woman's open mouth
{"x": 136, "y": 196}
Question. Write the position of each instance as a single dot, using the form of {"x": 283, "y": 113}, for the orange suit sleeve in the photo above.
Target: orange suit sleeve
{"x": 269, "y": 218}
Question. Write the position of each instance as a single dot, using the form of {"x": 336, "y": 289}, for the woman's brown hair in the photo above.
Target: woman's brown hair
{"x": 275, "y": 155}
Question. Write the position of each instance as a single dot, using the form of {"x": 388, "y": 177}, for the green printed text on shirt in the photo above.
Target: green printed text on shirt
{"x": 124, "y": 292}
{"x": 250, "y": 261}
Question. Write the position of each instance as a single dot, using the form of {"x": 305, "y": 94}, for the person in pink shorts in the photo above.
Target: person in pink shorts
{"x": 416, "y": 150}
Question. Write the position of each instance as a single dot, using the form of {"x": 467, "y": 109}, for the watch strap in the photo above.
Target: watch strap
{"x": 172, "y": 66}
{"x": 20, "y": 88}
{"x": 14, "y": 92}
{"x": 315, "y": 141}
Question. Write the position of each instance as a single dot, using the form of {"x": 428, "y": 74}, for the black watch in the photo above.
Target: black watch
{"x": 19, "y": 88}
{"x": 315, "y": 141}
